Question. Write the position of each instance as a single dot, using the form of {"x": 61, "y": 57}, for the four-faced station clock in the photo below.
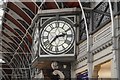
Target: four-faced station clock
{"x": 55, "y": 39}
{"x": 57, "y": 36}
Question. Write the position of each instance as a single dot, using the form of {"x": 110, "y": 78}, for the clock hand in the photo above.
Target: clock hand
{"x": 53, "y": 39}
{"x": 61, "y": 35}
{"x": 57, "y": 36}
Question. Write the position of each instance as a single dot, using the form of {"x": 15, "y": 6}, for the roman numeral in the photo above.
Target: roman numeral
{"x": 56, "y": 48}
{"x": 67, "y": 29}
{"x": 46, "y": 43}
{"x": 46, "y": 31}
{"x": 52, "y": 26}
{"x": 63, "y": 25}
{"x": 57, "y": 24}
{"x": 50, "y": 47}
{"x": 67, "y": 42}
{"x": 69, "y": 35}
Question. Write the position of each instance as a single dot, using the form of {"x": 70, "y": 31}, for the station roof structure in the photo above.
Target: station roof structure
{"x": 16, "y": 30}
{"x": 15, "y": 25}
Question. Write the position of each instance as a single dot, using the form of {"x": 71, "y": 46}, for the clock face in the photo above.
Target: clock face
{"x": 35, "y": 41}
{"x": 57, "y": 37}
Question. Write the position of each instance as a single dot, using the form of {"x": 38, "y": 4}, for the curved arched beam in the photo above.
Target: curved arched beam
{"x": 27, "y": 35}
{"x": 8, "y": 45}
{"x": 7, "y": 60}
{"x": 13, "y": 20}
{"x": 17, "y": 71}
{"x": 21, "y": 13}
{"x": 3, "y": 77}
{"x": 24, "y": 13}
{"x": 5, "y": 44}
{"x": 32, "y": 6}
{"x": 6, "y": 57}
{"x": 11, "y": 40}
{"x": 4, "y": 74}
{"x": 16, "y": 62}
{"x": 4, "y": 48}
{"x": 22, "y": 64}
{"x": 20, "y": 47}
{"x": 16, "y": 17}
{"x": 18, "y": 36}
{"x": 14, "y": 32}
{"x": 21, "y": 5}
{"x": 18, "y": 24}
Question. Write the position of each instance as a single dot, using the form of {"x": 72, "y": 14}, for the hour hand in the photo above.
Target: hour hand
{"x": 53, "y": 39}
{"x": 61, "y": 35}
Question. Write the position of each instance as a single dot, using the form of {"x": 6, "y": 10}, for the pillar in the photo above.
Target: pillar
{"x": 116, "y": 48}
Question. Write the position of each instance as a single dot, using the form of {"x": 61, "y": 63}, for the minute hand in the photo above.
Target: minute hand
{"x": 61, "y": 35}
{"x": 53, "y": 39}
{"x": 57, "y": 36}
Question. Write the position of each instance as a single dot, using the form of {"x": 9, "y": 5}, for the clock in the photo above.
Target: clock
{"x": 57, "y": 36}
{"x": 35, "y": 41}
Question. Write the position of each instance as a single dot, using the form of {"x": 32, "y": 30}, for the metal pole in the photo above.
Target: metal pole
{"x": 115, "y": 44}
{"x": 90, "y": 67}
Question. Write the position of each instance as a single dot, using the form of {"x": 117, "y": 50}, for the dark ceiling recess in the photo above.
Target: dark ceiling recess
{"x": 14, "y": 21}
{"x": 29, "y": 12}
{"x": 16, "y": 39}
{"x": 19, "y": 32}
{"x": 23, "y": 23}
{"x": 32, "y": 6}
{"x": 71, "y": 4}
{"x": 86, "y": 4}
{"x": 15, "y": 46}
{"x": 10, "y": 50}
{"x": 19, "y": 11}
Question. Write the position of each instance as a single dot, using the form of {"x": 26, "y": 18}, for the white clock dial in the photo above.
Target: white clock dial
{"x": 57, "y": 37}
